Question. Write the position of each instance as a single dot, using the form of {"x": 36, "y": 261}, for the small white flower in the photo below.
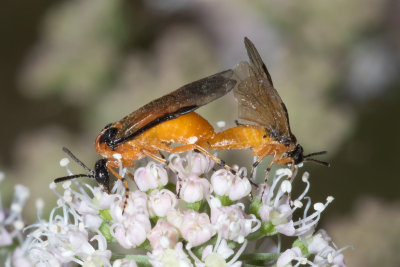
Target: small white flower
{"x": 11, "y": 223}
{"x": 131, "y": 228}
{"x": 99, "y": 257}
{"x": 6, "y": 238}
{"x": 278, "y": 207}
{"x": 89, "y": 206}
{"x": 192, "y": 164}
{"x": 64, "y": 162}
{"x": 231, "y": 222}
{"x": 289, "y": 255}
{"x": 221, "y": 124}
{"x": 193, "y": 188}
{"x": 216, "y": 256}
{"x": 175, "y": 217}
{"x": 325, "y": 251}
{"x": 124, "y": 263}
{"x": 225, "y": 183}
{"x": 170, "y": 257}
{"x": 196, "y": 228}
{"x": 150, "y": 177}
{"x": 160, "y": 202}
{"x": 163, "y": 235}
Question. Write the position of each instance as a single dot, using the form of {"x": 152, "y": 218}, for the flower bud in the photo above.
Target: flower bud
{"x": 196, "y": 228}
{"x": 160, "y": 202}
{"x": 163, "y": 235}
{"x": 150, "y": 177}
{"x": 225, "y": 183}
{"x": 194, "y": 189}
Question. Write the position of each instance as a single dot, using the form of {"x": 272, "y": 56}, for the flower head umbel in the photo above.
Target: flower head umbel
{"x": 64, "y": 238}
{"x": 208, "y": 224}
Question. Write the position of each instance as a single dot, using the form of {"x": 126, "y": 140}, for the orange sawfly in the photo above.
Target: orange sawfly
{"x": 157, "y": 126}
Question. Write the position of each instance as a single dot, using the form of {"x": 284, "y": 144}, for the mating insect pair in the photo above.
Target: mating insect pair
{"x": 171, "y": 120}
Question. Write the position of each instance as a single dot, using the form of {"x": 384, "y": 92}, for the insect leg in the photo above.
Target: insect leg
{"x": 253, "y": 167}
{"x": 292, "y": 166}
{"x": 267, "y": 173}
{"x": 124, "y": 182}
{"x": 161, "y": 160}
{"x": 217, "y": 160}
{"x": 151, "y": 155}
{"x": 166, "y": 163}
{"x": 238, "y": 123}
{"x": 161, "y": 154}
{"x": 131, "y": 176}
{"x": 198, "y": 148}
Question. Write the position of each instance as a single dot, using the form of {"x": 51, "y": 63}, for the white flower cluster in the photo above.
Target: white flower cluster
{"x": 11, "y": 223}
{"x": 210, "y": 222}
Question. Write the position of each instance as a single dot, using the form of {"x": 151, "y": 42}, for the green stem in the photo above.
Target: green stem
{"x": 260, "y": 256}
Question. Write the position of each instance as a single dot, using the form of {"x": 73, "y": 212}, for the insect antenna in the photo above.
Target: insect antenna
{"x": 65, "y": 178}
{"x": 324, "y": 163}
{"x": 69, "y": 177}
{"x": 316, "y": 153}
{"x": 72, "y": 156}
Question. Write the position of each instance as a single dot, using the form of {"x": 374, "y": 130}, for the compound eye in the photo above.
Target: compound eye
{"x": 108, "y": 136}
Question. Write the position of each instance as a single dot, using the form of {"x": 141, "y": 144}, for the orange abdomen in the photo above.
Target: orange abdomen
{"x": 186, "y": 129}
{"x": 246, "y": 137}
{"x": 240, "y": 137}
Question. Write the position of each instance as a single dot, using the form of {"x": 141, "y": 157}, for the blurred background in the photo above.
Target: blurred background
{"x": 68, "y": 68}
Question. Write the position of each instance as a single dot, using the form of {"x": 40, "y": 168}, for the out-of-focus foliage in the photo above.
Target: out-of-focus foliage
{"x": 373, "y": 230}
{"x": 78, "y": 51}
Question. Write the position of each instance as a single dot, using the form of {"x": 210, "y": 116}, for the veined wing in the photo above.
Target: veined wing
{"x": 258, "y": 100}
{"x": 181, "y": 101}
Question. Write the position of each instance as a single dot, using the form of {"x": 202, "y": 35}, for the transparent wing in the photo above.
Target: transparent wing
{"x": 258, "y": 100}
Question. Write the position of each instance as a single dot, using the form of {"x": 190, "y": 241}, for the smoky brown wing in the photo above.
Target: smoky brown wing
{"x": 258, "y": 100}
{"x": 181, "y": 101}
